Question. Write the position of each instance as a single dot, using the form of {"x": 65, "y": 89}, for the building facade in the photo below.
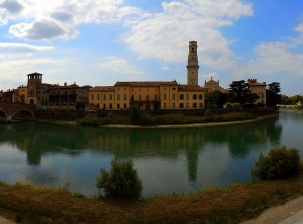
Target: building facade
{"x": 212, "y": 85}
{"x": 51, "y": 96}
{"x": 258, "y": 88}
{"x": 147, "y": 96}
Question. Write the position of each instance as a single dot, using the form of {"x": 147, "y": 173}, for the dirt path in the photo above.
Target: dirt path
{"x": 289, "y": 213}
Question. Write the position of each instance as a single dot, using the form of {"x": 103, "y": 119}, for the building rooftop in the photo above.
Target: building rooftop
{"x": 190, "y": 88}
{"x": 139, "y": 84}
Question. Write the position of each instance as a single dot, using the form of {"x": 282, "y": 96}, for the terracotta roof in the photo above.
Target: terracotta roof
{"x": 191, "y": 88}
{"x": 102, "y": 88}
{"x": 253, "y": 82}
{"x": 145, "y": 83}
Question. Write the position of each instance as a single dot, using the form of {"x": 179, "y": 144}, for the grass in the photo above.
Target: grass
{"x": 147, "y": 119}
{"x": 236, "y": 203}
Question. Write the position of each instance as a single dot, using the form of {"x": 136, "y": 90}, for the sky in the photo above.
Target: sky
{"x": 100, "y": 42}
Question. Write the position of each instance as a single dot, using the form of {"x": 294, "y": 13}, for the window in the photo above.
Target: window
{"x": 181, "y": 96}
{"x": 104, "y": 97}
{"x": 262, "y": 95}
{"x": 164, "y": 96}
{"x": 181, "y": 105}
{"x": 164, "y": 88}
{"x": 92, "y": 97}
{"x": 174, "y": 88}
{"x": 187, "y": 106}
{"x": 118, "y": 96}
{"x": 139, "y": 97}
{"x": 118, "y": 106}
{"x": 110, "y": 106}
{"x": 174, "y": 96}
{"x": 200, "y": 96}
{"x": 98, "y": 96}
{"x": 124, "y": 97}
{"x": 125, "y": 105}
{"x": 147, "y": 97}
{"x": 156, "y": 98}
{"x": 194, "y": 96}
{"x": 194, "y": 105}
{"x": 174, "y": 106}
{"x": 58, "y": 92}
{"x": 201, "y": 105}
{"x": 164, "y": 105}
{"x": 65, "y": 92}
{"x": 124, "y": 88}
{"x": 110, "y": 96}
{"x": 118, "y": 88}
{"x": 187, "y": 96}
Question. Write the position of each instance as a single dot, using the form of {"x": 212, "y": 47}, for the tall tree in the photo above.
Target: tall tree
{"x": 215, "y": 98}
{"x": 240, "y": 92}
{"x": 273, "y": 94}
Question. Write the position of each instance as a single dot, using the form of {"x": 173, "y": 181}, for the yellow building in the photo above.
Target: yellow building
{"x": 153, "y": 95}
{"x": 103, "y": 97}
{"x": 147, "y": 96}
{"x": 22, "y": 94}
{"x": 258, "y": 88}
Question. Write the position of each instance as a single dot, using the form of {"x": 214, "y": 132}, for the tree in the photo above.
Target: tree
{"x": 216, "y": 98}
{"x": 279, "y": 163}
{"x": 121, "y": 182}
{"x": 240, "y": 92}
{"x": 273, "y": 94}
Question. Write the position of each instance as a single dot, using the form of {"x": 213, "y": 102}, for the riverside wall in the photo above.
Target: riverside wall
{"x": 76, "y": 114}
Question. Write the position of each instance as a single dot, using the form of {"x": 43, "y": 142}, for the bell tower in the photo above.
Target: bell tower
{"x": 192, "y": 64}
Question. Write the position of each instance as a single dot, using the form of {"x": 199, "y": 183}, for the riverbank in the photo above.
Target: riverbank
{"x": 26, "y": 203}
{"x": 192, "y": 125}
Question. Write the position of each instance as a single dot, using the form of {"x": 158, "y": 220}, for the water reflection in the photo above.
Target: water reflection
{"x": 164, "y": 158}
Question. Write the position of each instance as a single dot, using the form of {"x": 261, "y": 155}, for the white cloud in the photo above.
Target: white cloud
{"x": 20, "y": 50}
{"x": 165, "y": 68}
{"x": 274, "y": 57}
{"x": 165, "y": 35}
{"x": 221, "y": 8}
{"x": 12, "y": 6}
{"x": 24, "y": 67}
{"x": 119, "y": 65}
{"x": 47, "y": 20}
{"x": 299, "y": 28}
{"x": 210, "y": 76}
{"x": 42, "y": 30}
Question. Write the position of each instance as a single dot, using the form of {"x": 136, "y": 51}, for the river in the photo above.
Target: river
{"x": 180, "y": 160}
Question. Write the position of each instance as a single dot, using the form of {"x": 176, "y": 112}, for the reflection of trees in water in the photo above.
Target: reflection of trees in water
{"x": 72, "y": 140}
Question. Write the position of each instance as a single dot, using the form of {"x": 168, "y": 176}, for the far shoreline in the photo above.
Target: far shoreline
{"x": 170, "y": 126}
{"x": 194, "y": 125}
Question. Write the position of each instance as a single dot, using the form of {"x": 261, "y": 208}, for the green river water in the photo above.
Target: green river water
{"x": 180, "y": 160}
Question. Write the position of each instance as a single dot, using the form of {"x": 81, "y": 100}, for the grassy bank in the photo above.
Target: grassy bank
{"x": 29, "y": 204}
{"x": 165, "y": 119}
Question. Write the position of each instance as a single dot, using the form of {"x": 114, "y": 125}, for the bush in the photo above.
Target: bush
{"x": 134, "y": 114}
{"x": 208, "y": 113}
{"x": 280, "y": 163}
{"x": 121, "y": 182}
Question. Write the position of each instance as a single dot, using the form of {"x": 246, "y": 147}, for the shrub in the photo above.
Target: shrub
{"x": 134, "y": 114}
{"x": 280, "y": 163}
{"x": 121, "y": 182}
{"x": 208, "y": 113}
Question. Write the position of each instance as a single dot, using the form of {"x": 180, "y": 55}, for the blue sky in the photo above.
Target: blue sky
{"x": 99, "y": 42}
